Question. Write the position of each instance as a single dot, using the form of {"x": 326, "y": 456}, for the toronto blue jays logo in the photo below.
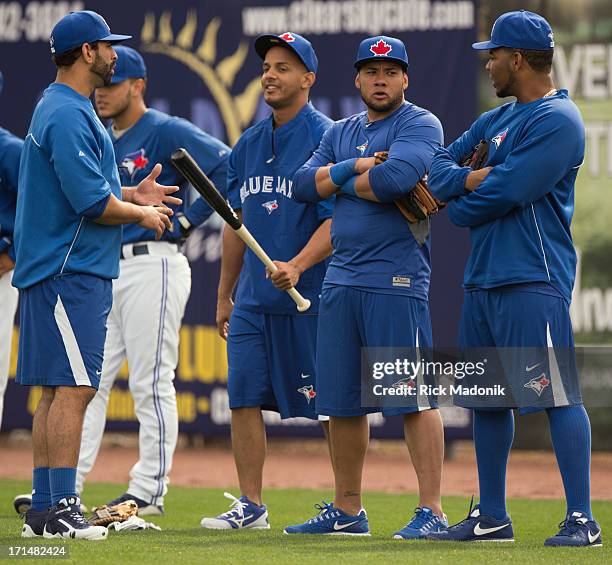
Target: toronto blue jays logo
{"x": 500, "y": 137}
{"x": 288, "y": 37}
{"x": 308, "y": 391}
{"x": 407, "y": 382}
{"x": 381, "y": 48}
{"x": 538, "y": 384}
{"x": 270, "y": 206}
{"x": 362, "y": 148}
{"x": 134, "y": 162}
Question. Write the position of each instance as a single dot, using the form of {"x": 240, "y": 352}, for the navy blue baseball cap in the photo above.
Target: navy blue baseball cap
{"x": 298, "y": 44}
{"x": 384, "y": 48}
{"x": 81, "y": 27}
{"x": 520, "y": 30}
{"x": 130, "y": 64}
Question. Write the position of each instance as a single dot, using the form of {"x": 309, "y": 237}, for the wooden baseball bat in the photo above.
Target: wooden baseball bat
{"x": 186, "y": 165}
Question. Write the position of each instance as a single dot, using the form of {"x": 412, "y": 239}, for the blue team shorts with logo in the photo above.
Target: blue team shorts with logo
{"x": 351, "y": 319}
{"x": 271, "y": 362}
{"x": 62, "y": 331}
{"x": 530, "y": 326}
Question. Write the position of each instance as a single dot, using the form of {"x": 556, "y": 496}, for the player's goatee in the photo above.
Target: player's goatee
{"x": 105, "y": 72}
{"x": 382, "y": 106}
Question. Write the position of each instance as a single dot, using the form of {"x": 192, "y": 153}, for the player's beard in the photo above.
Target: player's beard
{"x": 382, "y": 107}
{"x": 103, "y": 70}
{"x": 508, "y": 88}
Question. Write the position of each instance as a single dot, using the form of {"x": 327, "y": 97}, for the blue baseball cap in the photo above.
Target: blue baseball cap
{"x": 520, "y": 30}
{"x": 130, "y": 64}
{"x": 384, "y": 48}
{"x": 298, "y": 44}
{"x": 81, "y": 27}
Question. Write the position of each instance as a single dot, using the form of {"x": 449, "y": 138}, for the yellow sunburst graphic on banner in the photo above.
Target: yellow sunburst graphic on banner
{"x": 237, "y": 111}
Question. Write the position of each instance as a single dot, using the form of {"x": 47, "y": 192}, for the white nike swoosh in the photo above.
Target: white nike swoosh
{"x": 98, "y": 372}
{"x": 593, "y": 537}
{"x": 532, "y": 367}
{"x": 482, "y": 531}
{"x": 342, "y": 526}
{"x": 304, "y": 376}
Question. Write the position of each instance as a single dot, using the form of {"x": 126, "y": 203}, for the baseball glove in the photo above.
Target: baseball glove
{"x": 478, "y": 158}
{"x": 419, "y": 203}
{"x": 105, "y": 515}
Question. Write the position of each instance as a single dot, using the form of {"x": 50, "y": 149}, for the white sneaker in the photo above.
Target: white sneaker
{"x": 243, "y": 514}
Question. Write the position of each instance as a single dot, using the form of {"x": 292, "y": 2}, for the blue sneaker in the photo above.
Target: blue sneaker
{"x": 243, "y": 514}
{"x": 34, "y": 523}
{"x": 576, "y": 531}
{"x": 477, "y": 527}
{"x": 65, "y": 520}
{"x": 423, "y": 522}
{"x": 332, "y": 521}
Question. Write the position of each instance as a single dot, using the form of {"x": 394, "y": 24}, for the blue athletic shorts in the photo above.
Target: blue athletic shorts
{"x": 534, "y": 321}
{"x": 350, "y": 319}
{"x": 271, "y": 363}
{"x": 62, "y": 331}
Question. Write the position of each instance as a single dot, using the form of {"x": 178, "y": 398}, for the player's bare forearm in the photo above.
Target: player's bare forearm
{"x": 231, "y": 265}
{"x": 231, "y": 261}
{"x": 149, "y": 217}
{"x": 120, "y": 212}
{"x": 474, "y": 178}
{"x": 363, "y": 188}
{"x": 318, "y": 248}
{"x": 325, "y": 185}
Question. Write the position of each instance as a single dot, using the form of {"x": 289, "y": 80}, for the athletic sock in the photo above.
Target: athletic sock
{"x": 41, "y": 488}
{"x": 493, "y": 435}
{"x": 570, "y": 431}
{"x": 63, "y": 483}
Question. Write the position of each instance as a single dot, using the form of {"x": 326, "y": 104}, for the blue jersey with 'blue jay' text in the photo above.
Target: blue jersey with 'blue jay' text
{"x": 259, "y": 180}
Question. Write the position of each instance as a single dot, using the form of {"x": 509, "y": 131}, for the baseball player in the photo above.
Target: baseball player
{"x": 271, "y": 348}
{"x": 376, "y": 287}
{"x": 10, "y": 151}
{"x": 519, "y": 277}
{"x": 67, "y": 239}
{"x": 150, "y": 295}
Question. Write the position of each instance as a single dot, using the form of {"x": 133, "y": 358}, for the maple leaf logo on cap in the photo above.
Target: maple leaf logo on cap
{"x": 288, "y": 37}
{"x": 380, "y": 48}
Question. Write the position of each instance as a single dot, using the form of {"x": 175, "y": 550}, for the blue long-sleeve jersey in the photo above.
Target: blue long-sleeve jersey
{"x": 153, "y": 139}
{"x": 519, "y": 216}
{"x": 374, "y": 248}
{"x": 10, "y": 152}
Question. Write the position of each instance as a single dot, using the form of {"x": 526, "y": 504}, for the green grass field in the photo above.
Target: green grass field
{"x": 183, "y": 542}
